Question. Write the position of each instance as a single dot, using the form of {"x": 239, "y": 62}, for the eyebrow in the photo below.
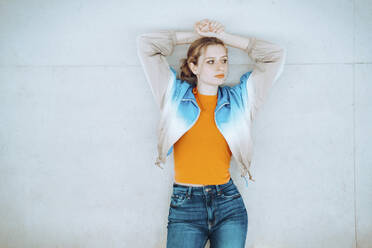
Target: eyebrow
{"x": 215, "y": 57}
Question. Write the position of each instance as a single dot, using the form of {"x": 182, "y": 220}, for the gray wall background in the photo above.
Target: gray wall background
{"x": 78, "y": 123}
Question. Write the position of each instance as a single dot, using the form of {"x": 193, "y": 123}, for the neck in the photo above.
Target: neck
{"x": 206, "y": 89}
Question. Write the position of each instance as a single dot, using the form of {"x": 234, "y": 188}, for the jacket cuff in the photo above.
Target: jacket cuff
{"x": 251, "y": 44}
{"x": 173, "y": 36}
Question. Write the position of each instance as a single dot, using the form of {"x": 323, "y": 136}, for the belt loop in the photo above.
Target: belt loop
{"x": 188, "y": 193}
{"x": 218, "y": 189}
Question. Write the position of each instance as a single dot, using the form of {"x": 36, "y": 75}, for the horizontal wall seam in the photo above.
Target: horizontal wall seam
{"x": 123, "y": 66}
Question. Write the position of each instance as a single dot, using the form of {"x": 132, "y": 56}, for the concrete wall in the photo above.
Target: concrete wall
{"x": 78, "y": 123}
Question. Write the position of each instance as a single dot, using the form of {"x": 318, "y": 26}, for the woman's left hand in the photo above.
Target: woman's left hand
{"x": 209, "y": 28}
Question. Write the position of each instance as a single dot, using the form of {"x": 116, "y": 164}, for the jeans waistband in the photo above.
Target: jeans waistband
{"x": 217, "y": 188}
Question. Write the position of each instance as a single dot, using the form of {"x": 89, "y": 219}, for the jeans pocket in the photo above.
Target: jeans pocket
{"x": 177, "y": 200}
{"x": 231, "y": 193}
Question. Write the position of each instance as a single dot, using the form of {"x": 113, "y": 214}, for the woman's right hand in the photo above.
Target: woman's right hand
{"x": 209, "y": 28}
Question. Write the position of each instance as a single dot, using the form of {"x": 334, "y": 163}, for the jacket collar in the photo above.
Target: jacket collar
{"x": 222, "y": 96}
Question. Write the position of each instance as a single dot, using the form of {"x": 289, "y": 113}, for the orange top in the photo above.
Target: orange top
{"x": 202, "y": 155}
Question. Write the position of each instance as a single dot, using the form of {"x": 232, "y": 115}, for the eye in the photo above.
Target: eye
{"x": 224, "y": 61}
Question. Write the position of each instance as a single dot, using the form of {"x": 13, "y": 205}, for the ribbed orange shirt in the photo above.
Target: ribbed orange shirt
{"x": 202, "y": 155}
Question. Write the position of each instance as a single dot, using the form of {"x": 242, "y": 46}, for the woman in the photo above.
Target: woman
{"x": 205, "y": 124}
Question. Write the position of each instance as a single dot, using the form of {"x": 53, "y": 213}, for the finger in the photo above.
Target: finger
{"x": 220, "y": 30}
{"x": 201, "y": 26}
{"x": 200, "y": 31}
{"x": 212, "y": 26}
{"x": 215, "y": 25}
{"x": 208, "y": 25}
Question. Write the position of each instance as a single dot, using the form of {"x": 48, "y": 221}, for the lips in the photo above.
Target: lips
{"x": 220, "y": 76}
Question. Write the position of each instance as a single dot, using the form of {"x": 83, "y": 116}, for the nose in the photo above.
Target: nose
{"x": 221, "y": 66}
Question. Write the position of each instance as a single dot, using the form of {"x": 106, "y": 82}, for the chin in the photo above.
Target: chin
{"x": 220, "y": 81}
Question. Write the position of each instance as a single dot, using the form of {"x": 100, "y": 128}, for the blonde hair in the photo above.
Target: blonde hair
{"x": 194, "y": 52}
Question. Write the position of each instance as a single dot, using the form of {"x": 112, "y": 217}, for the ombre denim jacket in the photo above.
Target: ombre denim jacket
{"x": 236, "y": 105}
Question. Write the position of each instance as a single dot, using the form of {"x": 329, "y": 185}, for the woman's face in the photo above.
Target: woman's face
{"x": 210, "y": 64}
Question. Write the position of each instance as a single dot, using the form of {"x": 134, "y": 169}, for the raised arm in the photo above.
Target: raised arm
{"x": 269, "y": 61}
{"x": 268, "y": 57}
{"x": 152, "y": 49}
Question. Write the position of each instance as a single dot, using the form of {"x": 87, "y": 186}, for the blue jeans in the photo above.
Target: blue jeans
{"x": 214, "y": 212}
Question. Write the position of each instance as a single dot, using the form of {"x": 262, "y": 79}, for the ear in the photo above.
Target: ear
{"x": 193, "y": 68}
